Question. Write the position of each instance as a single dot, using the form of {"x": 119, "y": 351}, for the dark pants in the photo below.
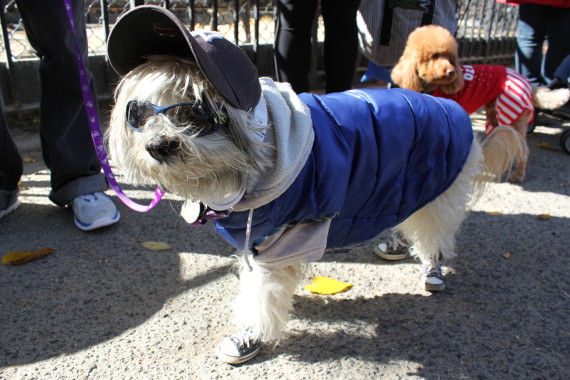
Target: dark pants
{"x": 67, "y": 147}
{"x": 538, "y": 23}
{"x": 293, "y": 42}
{"x": 11, "y": 166}
{"x": 563, "y": 71}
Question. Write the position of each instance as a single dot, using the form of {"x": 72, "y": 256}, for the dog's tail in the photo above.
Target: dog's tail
{"x": 547, "y": 99}
{"x": 501, "y": 150}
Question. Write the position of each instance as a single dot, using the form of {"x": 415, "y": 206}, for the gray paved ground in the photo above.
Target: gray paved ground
{"x": 103, "y": 307}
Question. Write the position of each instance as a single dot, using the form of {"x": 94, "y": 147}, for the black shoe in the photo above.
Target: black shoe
{"x": 557, "y": 83}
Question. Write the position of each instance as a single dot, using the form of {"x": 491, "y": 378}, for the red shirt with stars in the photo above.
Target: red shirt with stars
{"x": 483, "y": 84}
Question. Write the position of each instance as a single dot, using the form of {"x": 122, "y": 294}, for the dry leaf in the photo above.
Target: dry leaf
{"x": 544, "y": 216}
{"x": 326, "y": 285}
{"x": 494, "y": 212}
{"x": 506, "y": 255}
{"x": 28, "y": 160}
{"x": 156, "y": 245}
{"x": 22, "y": 257}
{"x": 545, "y": 145}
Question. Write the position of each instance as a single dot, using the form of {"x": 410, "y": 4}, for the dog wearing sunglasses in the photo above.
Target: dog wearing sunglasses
{"x": 170, "y": 127}
{"x": 286, "y": 177}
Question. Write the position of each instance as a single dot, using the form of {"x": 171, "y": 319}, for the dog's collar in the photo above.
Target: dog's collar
{"x": 429, "y": 88}
{"x": 197, "y": 213}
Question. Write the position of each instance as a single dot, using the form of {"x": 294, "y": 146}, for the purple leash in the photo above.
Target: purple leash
{"x": 96, "y": 134}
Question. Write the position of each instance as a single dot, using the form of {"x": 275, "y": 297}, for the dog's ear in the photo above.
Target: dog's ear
{"x": 405, "y": 73}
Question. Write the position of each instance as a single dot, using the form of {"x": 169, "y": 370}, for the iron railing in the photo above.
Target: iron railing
{"x": 486, "y": 30}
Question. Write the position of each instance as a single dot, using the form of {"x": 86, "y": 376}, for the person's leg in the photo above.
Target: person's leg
{"x": 558, "y": 36}
{"x": 561, "y": 80}
{"x": 11, "y": 167}
{"x": 293, "y": 42}
{"x": 67, "y": 147}
{"x": 533, "y": 19}
{"x": 341, "y": 43}
{"x": 563, "y": 70}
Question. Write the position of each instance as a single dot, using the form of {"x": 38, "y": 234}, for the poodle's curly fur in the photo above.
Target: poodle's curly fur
{"x": 430, "y": 62}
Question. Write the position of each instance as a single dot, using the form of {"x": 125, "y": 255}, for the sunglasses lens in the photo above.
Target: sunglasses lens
{"x": 196, "y": 117}
{"x": 138, "y": 113}
{"x": 187, "y": 113}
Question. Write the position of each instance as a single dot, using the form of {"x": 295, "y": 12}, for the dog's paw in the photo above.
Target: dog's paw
{"x": 516, "y": 178}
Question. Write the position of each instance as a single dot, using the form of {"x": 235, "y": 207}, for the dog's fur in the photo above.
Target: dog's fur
{"x": 193, "y": 167}
{"x": 430, "y": 60}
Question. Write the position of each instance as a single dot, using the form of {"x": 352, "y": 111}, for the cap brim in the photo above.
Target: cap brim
{"x": 134, "y": 38}
{"x": 149, "y": 30}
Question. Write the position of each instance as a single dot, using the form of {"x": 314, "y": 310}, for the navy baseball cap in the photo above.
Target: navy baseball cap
{"x": 149, "y": 30}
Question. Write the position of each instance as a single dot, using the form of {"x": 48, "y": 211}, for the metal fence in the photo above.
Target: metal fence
{"x": 486, "y": 30}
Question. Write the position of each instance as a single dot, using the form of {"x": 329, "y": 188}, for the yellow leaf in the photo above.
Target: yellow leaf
{"x": 326, "y": 285}
{"x": 545, "y": 145}
{"x": 506, "y": 255}
{"x": 494, "y": 212}
{"x": 544, "y": 216}
{"x": 22, "y": 257}
{"x": 156, "y": 245}
{"x": 28, "y": 160}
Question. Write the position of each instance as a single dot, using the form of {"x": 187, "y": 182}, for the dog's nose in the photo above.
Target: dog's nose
{"x": 160, "y": 150}
{"x": 450, "y": 72}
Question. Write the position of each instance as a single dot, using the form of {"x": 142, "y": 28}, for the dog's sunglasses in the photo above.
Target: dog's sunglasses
{"x": 196, "y": 118}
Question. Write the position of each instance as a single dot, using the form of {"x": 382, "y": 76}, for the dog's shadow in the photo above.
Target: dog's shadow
{"x": 98, "y": 285}
{"x": 506, "y": 305}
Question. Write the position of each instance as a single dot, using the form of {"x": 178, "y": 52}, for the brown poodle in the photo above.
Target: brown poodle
{"x": 430, "y": 64}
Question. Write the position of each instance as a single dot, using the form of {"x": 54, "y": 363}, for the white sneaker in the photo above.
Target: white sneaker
{"x": 8, "y": 202}
{"x": 391, "y": 251}
{"x": 238, "y": 348}
{"x": 431, "y": 278}
{"x": 94, "y": 210}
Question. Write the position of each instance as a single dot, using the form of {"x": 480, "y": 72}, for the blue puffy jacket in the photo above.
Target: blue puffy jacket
{"x": 378, "y": 156}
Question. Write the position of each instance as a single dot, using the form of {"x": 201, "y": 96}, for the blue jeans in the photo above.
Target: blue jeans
{"x": 67, "y": 148}
{"x": 538, "y": 23}
{"x": 563, "y": 71}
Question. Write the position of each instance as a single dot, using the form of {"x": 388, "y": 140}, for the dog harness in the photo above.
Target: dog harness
{"x": 377, "y": 157}
{"x": 485, "y": 83}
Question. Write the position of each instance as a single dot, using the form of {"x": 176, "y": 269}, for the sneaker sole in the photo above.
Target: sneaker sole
{"x": 432, "y": 287}
{"x": 390, "y": 257}
{"x": 235, "y": 359}
{"x": 12, "y": 207}
{"x": 98, "y": 223}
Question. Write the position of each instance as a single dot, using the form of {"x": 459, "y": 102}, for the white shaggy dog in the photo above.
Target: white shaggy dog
{"x": 294, "y": 175}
